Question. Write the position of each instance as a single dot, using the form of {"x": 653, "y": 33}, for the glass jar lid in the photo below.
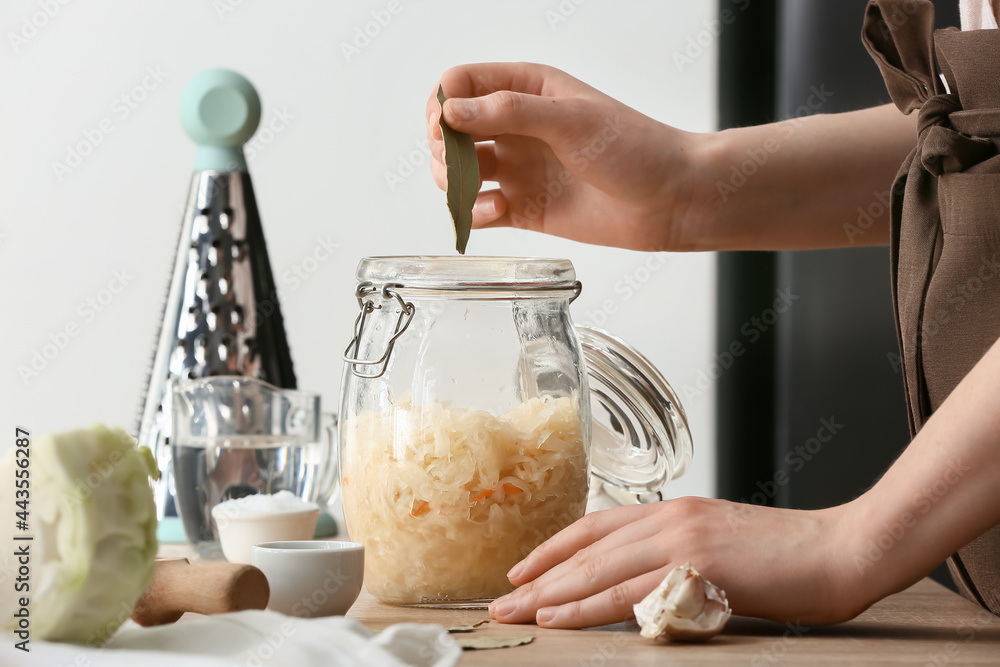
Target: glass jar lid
{"x": 640, "y": 436}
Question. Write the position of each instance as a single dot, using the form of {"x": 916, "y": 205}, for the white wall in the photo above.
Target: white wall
{"x": 63, "y": 237}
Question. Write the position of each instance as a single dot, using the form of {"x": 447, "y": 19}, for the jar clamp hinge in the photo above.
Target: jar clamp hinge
{"x": 367, "y": 305}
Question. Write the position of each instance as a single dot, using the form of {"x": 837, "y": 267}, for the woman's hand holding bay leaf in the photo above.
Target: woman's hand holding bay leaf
{"x": 573, "y": 162}
{"x": 569, "y": 160}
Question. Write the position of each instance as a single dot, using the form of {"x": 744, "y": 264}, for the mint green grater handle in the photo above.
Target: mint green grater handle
{"x": 220, "y": 111}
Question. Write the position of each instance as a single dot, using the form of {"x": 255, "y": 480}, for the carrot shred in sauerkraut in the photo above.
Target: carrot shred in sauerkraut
{"x": 447, "y": 500}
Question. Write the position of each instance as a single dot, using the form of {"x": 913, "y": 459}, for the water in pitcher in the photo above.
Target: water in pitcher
{"x": 209, "y": 472}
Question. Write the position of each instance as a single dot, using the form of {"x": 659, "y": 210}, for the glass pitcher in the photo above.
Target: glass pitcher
{"x": 473, "y": 413}
{"x": 236, "y": 436}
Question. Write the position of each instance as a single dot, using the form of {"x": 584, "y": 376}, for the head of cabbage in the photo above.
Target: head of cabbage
{"x": 93, "y": 520}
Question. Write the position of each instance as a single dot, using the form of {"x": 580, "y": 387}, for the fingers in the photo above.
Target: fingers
{"x": 609, "y": 606}
{"x": 568, "y": 541}
{"x": 590, "y": 562}
{"x": 481, "y": 79}
{"x": 490, "y": 205}
{"x": 509, "y": 98}
{"x": 496, "y": 91}
{"x": 508, "y": 112}
{"x": 595, "y": 573}
{"x": 625, "y": 553}
{"x": 434, "y": 136}
{"x": 434, "y": 124}
{"x": 478, "y": 79}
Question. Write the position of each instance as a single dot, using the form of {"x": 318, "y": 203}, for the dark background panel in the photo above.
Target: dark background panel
{"x": 745, "y": 393}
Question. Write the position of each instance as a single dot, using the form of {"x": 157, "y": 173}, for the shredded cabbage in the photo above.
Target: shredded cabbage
{"x": 447, "y": 500}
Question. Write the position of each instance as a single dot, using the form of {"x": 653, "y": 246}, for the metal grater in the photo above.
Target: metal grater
{"x": 221, "y": 315}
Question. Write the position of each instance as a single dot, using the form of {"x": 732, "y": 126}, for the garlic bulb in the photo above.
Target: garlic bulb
{"x": 685, "y": 606}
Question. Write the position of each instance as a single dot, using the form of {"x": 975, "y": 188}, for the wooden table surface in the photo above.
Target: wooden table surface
{"x": 924, "y": 625}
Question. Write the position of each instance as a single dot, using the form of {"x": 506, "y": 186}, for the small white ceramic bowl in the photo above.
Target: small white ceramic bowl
{"x": 238, "y": 532}
{"x": 311, "y": 577}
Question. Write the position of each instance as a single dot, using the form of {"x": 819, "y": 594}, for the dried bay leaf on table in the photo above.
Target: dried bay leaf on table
{"x": 463, "y": 177}
{"x": 468, "y": 628}
{"x": 482, "y": 642}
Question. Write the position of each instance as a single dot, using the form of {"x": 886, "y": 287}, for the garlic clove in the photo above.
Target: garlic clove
{"x": 688, "y": 598}
{"x": 685, "y": 606}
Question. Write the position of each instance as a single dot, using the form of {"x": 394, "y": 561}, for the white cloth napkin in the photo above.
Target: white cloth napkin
{"x": 254, "y": 639}
{"x": 979, "y": 14}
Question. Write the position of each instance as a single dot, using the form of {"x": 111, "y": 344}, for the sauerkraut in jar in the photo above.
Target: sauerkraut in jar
{"x": 473, "y": 412}
{"x": 453, "y": 498}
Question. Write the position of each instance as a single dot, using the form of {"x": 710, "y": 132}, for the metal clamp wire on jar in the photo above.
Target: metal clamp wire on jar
{"x": 368, "y": 306}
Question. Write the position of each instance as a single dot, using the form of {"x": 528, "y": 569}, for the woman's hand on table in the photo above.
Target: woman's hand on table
{"x": 569, "y": 160}
{"x": 779, "y": 564}
{"x": 812, "y": 567}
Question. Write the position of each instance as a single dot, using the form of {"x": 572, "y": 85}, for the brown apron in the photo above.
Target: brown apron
{"x": 945, "y": 244}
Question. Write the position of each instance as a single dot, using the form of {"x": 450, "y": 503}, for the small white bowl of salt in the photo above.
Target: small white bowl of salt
{"x": 244, "y": 522}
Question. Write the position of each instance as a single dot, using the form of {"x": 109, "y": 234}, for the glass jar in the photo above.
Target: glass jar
{"x": 236, "y": 436}
{"x": 473, "y": 413}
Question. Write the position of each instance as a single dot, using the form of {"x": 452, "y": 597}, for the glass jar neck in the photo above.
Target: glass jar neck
{"x": 472, "y": 277}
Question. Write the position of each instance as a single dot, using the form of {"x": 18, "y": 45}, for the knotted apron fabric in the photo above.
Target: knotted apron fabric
{"x": 945, "y": 242}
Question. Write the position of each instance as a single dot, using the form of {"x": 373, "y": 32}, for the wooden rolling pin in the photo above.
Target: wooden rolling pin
{"x": 207, "y": 587}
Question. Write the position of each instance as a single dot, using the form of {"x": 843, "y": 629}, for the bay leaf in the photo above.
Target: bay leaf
{"x": 468, "y": 628}
{"x": 463, "y": 177}
{"x": 478, "y": 642}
